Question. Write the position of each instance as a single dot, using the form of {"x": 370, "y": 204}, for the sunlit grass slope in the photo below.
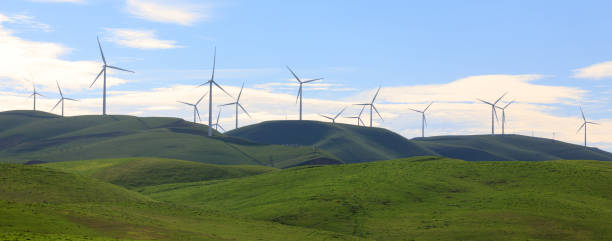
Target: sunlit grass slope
{"x": 422, "y": 198}
{"x": 40, "y": 203}
{"x": 138, "y": 172}
{"x": 45, "y": 137}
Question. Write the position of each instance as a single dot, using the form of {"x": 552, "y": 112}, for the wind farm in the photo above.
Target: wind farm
{"x": 394, "y": 143}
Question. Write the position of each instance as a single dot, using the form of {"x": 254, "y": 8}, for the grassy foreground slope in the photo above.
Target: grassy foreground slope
{"x": 138, "y": 172}
{"x": 348, "y": 142}
{"x": 423, "y": 198}
{"x": 28, "y": 135}
{"x": 39, "y": 203}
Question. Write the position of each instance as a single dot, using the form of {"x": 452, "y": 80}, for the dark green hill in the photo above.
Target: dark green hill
{"x": 348, "y": 142}
{"x": 139, "y": 172}
{"x": 356, "y": 144}
{"x": 422, "y": 198}
{"x": 508, "y": 148}
{"x": 40, "y": 203}
{"x": 37, "y": 136}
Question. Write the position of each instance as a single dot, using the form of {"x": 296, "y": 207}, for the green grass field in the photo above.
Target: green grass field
{"x": 425, "y": 198}
{"x": 40, "y": 136}
{"x": 40, "y": 203}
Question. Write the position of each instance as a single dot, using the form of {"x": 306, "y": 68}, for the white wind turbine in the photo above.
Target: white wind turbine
{"x": 210, "y": 83}
{"x": 358, "y": 117}
{"x": 103, "y": 71}
{"x": 424, "y": 119}
{"x": 217, "y": 125}
{"x": 333, "y": 119}
{"x": 299, "y": 95}
{"x": 34, "y": 94}
{"x": 62, "y": 98}
{"x": 493, "y": 112}
{"x": 237, "y": 104}
{"x": 372, "y": 107}
{"x": 584, "y": 125}
{"x": 504, "y": 116}
{"x": 195, "y": 107}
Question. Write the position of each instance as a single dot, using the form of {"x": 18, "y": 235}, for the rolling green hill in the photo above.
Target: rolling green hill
{"x": 348, "y": 142}
{"x": 423, "y": 198}
{"x": 28, "y": 135}
{"x": 139, "y": 172}
{"x": 39, "y": 203}
{"x": 356, "y": 144}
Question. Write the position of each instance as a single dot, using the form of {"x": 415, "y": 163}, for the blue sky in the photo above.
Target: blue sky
{"x": 550, "y": 55}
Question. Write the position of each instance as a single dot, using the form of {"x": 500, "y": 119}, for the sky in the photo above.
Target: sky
{"x": 551, "y": 57}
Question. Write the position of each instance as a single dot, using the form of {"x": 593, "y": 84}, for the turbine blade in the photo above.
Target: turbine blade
{"x": 221, "y": 127}
{"x": 593, "y": 123}
{"x": 376, "y": 95}
{"x": 486, "y": 102}
{"x": 294, "y": 75}
{"x": 212, "y": 78}
{"x": 70, "y": 99}
{"x": 377, "y": 112}
{"x": 56, "y": 105}
{"x": 117, "y": 68}
{"x": 428, "y": 106}
{"x": 233, "y": 103}
{"x": 308, "y": 81}
{"x": 198, "y": 112}
{"x": 222, "y": 89}
{"x": 361, "y": 122}
{"x": 299, "y": 93}
{"x": 240, "y": 93}
{"x": 415, "y": 110}
{"x": 500, "y": 98}
{"x": 581, "y": 112}
{"x": 327, "y": 117}
{"x": 509, "y": 103}
{"x": 241, "y": 107}
{"x": 185, "y": 103}
{"x": 205, "y": 83}
{"x": 583, "y": 124}
{"x": 361, "y": 112}
{"x": 201, "y": 98}
{"x": 425, "y": 120}
{"x": 60, "y": 89}
{"x": 218, "y": 115}
{"x": 92, "y": 83}
{"x": 495, "y": 112}
{"x": 340, "y": 113}
{"x": 101, "y": 52}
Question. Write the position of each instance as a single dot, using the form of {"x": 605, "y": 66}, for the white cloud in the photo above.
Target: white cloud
{"x": 596, "y": 71}
{"x": 141, "y": 39}
{"x": 25, "y": 22}
{"x": 59, "y": 1}
{"x": 167, "y": 11}
{"x": 23, "y": 61}
{"x": 292, "y": 84}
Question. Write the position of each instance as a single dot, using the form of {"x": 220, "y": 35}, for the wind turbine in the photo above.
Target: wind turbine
{"x": 358, "y": 117}
{"x": 493, "y": 112}
{"x": 584, "y": 125}
{"x": 372, "y": 107}
{"x": 195, "y": 107}
{"x": 504, "y": 116}
{"x": 34, "y": 94}
{"x": 210, "y": 88}
{"x": 217, "y": 125}
{"x": 237, "y": 104}
{"x": 299, "y": 95}
{"x": 333, "y": 119}
{"x": 61, "y": 100}
{"x": 103, "y": 71}
{"x": 423, "y": 120}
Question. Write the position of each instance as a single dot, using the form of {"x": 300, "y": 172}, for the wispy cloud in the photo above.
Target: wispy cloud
{"x": 25, "y": 22}
{"x": 169, "y": 11}
{"x": 596, "y": 71}
{"x": 59, "y": 1}
{"x": 137, "y": 38}
{"x": 291, "y": 84}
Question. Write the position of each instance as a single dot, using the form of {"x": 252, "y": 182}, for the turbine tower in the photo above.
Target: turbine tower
{"x": 299, "y": 95}
{"x": 62, "y": 98}
{"x": 493, "y": 112}
{"x": 584, "y": 125}
{"x": 103, "y": 71}
{"x": 372, "y": 107}
{"x": 423, "y": 120}
{"x": 237, "y": 104}
{"x": 504, "y": 116}
{"x": 217, "y": 125}
{"x": 195, "y": 107}
{"x": 34, "y": 94}
{"x": 358, "y": 117}
{"x": 333, "y": 119}
{"x": 210, "y": 83}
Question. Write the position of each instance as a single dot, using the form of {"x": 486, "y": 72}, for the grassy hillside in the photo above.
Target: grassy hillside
{"x": 424, "y": 198}
{"x": 50, "y": 138}
{"x": 356, "y": 144}
{"x": 138, "y": 172}
{"x": 508, "y": 148}
{"x": 39, "y": 203}
{"x": 348, "y": 142}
